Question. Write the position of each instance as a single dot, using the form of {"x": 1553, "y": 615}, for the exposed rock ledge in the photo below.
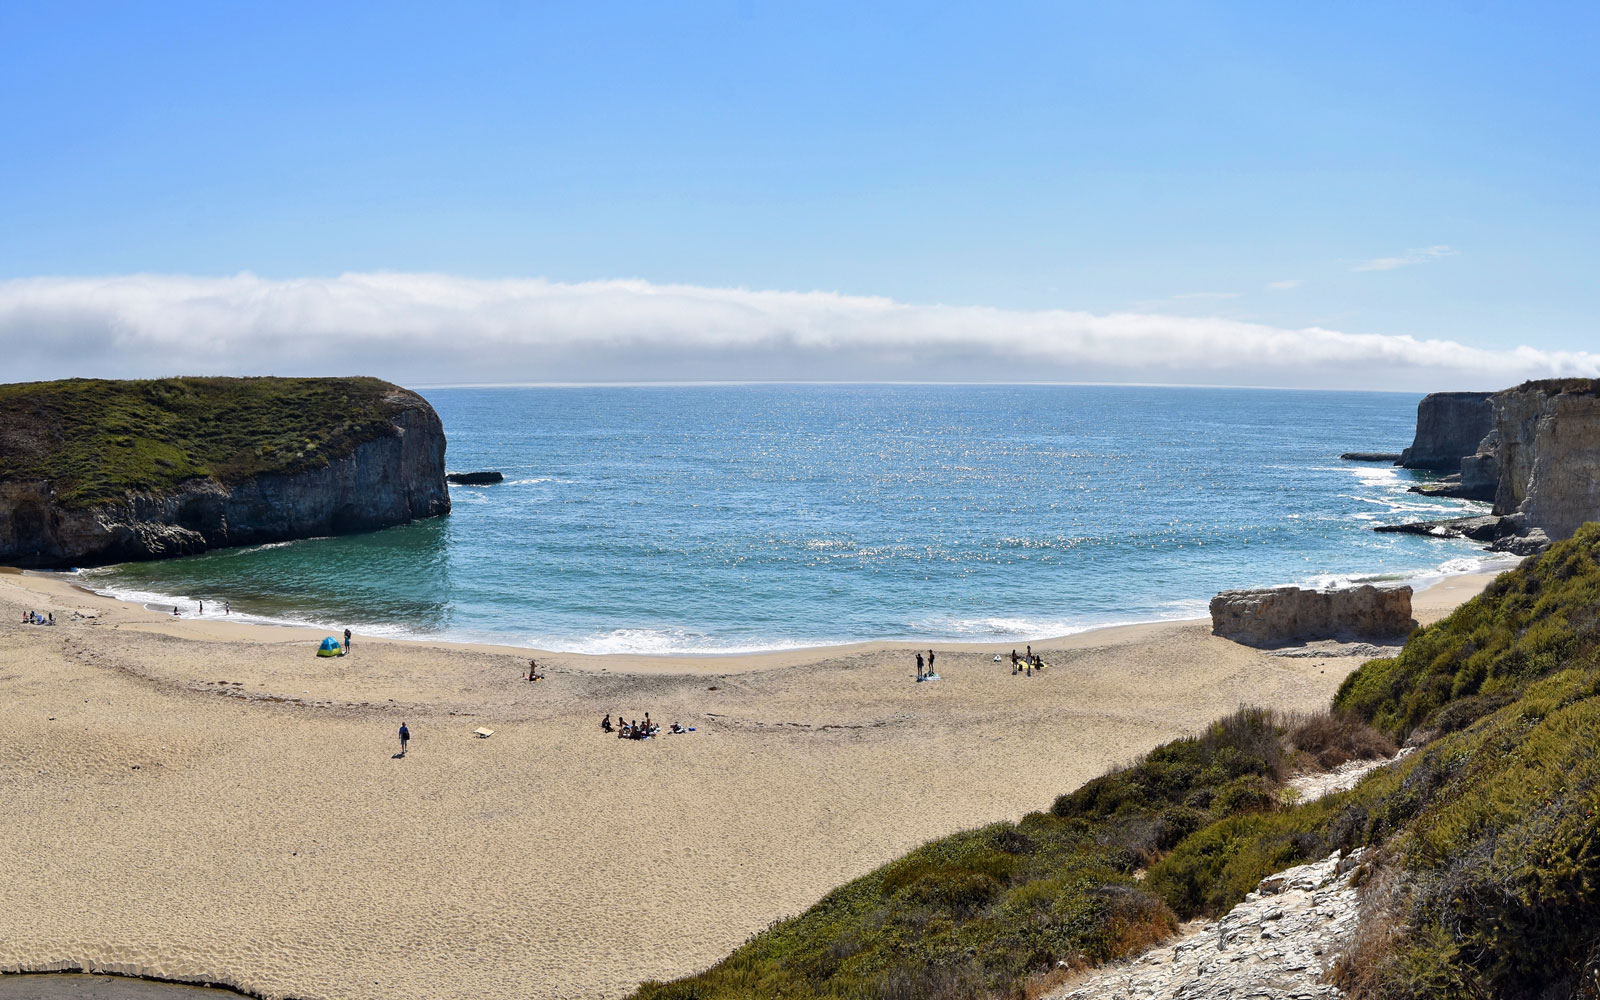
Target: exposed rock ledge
{"x": 1278, "y": 944}
{"x": 1283, "y": 615}
{"x": 394, "y": 476}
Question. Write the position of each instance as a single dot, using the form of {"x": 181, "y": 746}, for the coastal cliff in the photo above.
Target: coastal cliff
{"x": 1538, "y": 461}
{"x": 1546, "y": 450}
{"x": 1449, "y": 427}
{"x": 94, "y": 471}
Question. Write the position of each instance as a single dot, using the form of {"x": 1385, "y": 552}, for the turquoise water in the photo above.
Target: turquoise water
{"x": 704, "y": 519}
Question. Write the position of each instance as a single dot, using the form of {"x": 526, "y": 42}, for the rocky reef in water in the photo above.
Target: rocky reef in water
{"x": 95, "y": 471}
{"x": 1537, "y": 461}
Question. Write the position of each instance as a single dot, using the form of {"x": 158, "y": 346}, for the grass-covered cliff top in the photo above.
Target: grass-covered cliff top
{"x": 95, "y": 440}
{"x": 1484, "y": 881}
{"x": 1576, "y": 386}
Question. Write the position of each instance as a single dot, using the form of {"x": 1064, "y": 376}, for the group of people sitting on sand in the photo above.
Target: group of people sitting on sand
{"x": 35, "y": 618}
{"x": 635, "y": 730}
{"x": 1027, "y": 663}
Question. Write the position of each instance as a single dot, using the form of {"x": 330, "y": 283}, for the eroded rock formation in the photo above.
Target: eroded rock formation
{"x": 1283, "y": 615}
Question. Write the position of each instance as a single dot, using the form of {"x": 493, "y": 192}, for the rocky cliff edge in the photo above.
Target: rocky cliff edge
{"x": 374, "y": 459}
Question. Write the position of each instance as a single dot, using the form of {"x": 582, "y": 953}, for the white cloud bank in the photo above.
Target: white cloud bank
{"x": 429, "y": 329}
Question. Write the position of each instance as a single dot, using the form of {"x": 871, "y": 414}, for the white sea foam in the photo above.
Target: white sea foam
{"x": 1417, "y": 579}
{"x": 662, "y": 642}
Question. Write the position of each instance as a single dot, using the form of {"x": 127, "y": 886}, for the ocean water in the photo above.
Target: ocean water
{"x": 715, "y": 519}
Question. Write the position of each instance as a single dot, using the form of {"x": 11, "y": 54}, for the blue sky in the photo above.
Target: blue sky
{"x": 1415, "y": 170}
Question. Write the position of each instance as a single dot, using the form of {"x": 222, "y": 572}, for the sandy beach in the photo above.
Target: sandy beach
{"x": 208, "y": 801}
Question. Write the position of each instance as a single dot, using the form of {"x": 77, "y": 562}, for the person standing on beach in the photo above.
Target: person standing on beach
{"x": 202, "y": 607}
{"x": 347, "y": 640}
{"x": 919, "y": 666}
{"x": 227, "y": 607}
{"x": 930, "y": 661}
{"x": 405, "y": 737}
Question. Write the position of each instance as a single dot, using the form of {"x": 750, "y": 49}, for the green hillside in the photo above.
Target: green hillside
{"x": 1485, "y": 881}
{"x": 96, "y": 439}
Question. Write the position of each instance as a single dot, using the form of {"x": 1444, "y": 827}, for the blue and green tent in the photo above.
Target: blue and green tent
{"x": 330, "y": 647}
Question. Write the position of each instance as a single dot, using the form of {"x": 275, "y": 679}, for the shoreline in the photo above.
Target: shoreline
{"x": 64, "y": 981}
{"x": 1438, "y": 584}
{"x": 206, "y": 801}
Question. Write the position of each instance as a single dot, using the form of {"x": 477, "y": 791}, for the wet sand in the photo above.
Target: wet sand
{"x": 200, "y": 800}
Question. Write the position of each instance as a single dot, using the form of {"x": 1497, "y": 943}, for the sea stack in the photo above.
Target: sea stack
{"x": 95, "y": 471}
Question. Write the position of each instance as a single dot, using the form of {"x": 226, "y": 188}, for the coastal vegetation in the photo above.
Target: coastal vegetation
{"x": 96, "y": 440}
{"x": 1484, "y": 881}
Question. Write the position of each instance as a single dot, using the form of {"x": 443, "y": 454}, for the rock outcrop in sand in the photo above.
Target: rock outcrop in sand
{"x": 386, "y": 471}
{"x": 1283, "y": 615}
{"x": 1449, "y": 427}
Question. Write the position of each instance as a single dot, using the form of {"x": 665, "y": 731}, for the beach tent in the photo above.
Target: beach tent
{"x": 330, "y": 647}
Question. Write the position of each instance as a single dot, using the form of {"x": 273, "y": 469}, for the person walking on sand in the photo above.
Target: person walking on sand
{"x": 405, "y": 737}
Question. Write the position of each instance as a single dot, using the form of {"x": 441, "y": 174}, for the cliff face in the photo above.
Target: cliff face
{"x": 1449, "y": 427}
{"x": 394, "y": 476}
{"x": 1546, "y": 448}
{"x": 1538, "y": 461}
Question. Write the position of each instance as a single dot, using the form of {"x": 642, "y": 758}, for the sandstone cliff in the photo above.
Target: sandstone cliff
{"x": 1539, "y": 462}
{"x": 1546, "y": 449}
{"x": 1449, "y": 427}
{"x": 1284, "y": 615}
{"x": 366, "y": 455}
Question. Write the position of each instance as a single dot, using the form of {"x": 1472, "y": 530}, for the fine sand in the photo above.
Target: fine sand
{"x": 207, "y": 801}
